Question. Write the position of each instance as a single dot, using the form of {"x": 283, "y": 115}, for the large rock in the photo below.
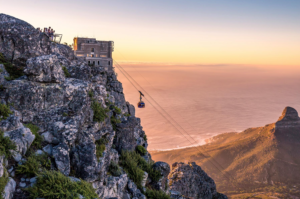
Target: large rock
{"x": 46, "y": 68}
{"x": 62, "y": 158}
{"x": 191, "y": 181}
{"x": 9, "y": 189}
{"x": 20, "y": 41}
{"x": 2, "y": 168}
{"x": 163, "y": 183}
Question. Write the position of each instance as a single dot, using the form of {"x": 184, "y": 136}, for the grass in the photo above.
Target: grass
{"x": 141, "y": 150}
{"x": 37, "y": 142}
{"x": 66, "y": 72}
{"x": 99, "y": 112}
{"x": 13, "y": 71}
{"x": 6, "y": 145}
{"x": 135, "y": 165}
{"x": 114, "y": 169}
{"x": 145, "y": 137}
{"x": 54, "y": 185}
{"x": 154, "y": 194}
{"x": 4, "y": 111}
{"x": 34, "y": 164}
{"x": 100, "y": 147}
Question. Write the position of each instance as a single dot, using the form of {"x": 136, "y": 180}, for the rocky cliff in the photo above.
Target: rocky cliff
{"x": 64, "y": 123}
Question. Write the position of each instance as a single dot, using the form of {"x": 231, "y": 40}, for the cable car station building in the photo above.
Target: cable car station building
{"x": 96, "y": 53}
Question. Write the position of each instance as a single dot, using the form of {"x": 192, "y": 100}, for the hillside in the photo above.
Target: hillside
{"x": 257, "y": 159}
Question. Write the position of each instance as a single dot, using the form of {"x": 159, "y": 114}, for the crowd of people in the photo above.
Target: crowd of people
{"x": 48, "y": 31}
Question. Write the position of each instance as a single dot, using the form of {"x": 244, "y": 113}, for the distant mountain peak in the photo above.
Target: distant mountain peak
{"x": 289, "y": 114}
{"x": 289, "y": 118}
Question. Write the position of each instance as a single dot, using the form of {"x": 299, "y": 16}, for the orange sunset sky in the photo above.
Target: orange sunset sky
{"x": 174, "y": 31}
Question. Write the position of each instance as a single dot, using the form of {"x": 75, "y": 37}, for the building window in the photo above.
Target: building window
{"x": 88, "y": 41}
{"x": 93, "y": 63}
{"x": 98, "y": 62}
{"x": 89, "y": 62}
{"x": 102, "y": 55}
{"x": 87, "y": 55}
{"x": 109, "y": 63}
{"x": 92, "y": 55}
{"x": 93, "y": 50}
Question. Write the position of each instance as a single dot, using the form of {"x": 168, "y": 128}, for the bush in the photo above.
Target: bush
{"x": 6, "y": 145}
{"x": 53, "y": 185}
{"x": 3, "y": 182}
{"x": 154, "y": 194}
{"x": 135, "y": 165}
{"x": 99, "y": 112}
{"x": 145, "y": 137}
{"x": 37, "y": 142}
{"x": 4, "y": 111}
{"x": 33, "y": 165}
{"x": 114, "y": 169}
{"x": 67, "y": 74}
{"x": 100, "y": 147}
{"x": 114, "y": 122}
{"x": 13, "y": 71}
{"x": 141, "y": 150}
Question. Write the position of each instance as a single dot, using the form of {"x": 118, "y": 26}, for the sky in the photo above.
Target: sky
{"x": 256, "y": 32}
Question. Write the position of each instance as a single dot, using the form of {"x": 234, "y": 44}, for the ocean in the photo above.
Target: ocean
{"x": 206, "y": 100}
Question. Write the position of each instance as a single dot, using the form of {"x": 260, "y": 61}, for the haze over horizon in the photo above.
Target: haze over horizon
{"x": 194, "y": 32}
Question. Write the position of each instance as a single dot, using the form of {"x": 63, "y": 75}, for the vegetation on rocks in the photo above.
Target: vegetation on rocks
{"x": 13, "y": 71}
{"x": 38, "y": 138}
{"x": 114, "y": 122}
{"x": 66, "y": 72}
{"x": 135, "y": 165}
{"x": 34, "y": 164}
{"x": 4, "y": 111}
{"x": 141, "y": 150}
{"x": 53, "y": 185}
{"x": 100, "y": 147}
{"x": 3, "y": 182}
{"x": 99, "y": 112}
{"x": 154, "y": 194}
{"x": 6, "y": 145}
{"x": 114, "y": 169}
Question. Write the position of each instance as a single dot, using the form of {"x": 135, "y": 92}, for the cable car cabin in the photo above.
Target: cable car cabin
{"x": 141, "y": 104}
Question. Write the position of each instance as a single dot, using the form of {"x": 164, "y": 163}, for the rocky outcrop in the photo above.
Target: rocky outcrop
{"x": 163, "y": 183}
{"x": 191, "y": 181}
{"x": 9, "y": 189}
{"x": 288, "y": 119}
{"x": 46, "y": 68}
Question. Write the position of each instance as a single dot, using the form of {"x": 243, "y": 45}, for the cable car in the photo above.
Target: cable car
{"x": 141, "y": 104}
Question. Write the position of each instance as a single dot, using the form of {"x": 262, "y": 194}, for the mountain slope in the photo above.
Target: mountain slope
{"x": 266, "y": 155}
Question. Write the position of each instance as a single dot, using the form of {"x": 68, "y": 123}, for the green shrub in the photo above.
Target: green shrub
{"x": 154, "y": 194}
{"x": 33, "y": 165}
{"x": 13, "y": 71}
{"x": 54, "y": 185}
{"x": 4, "y": 111}
{"x": 114, "y": 169}
{"x": 3, "y": 182}
{"x": 100, "y": 147}
{"x": 65, "y": 114}
{"x": 91, "y": 94}
{"x": 117, "y": 110}
{"x": 126, "y": 114}
{"x": 135, "y": 165}
{"x": 141, "y": 150}
{"x": 6, "y": 145}
{"x": 114, "y": 122}
{"x": 145, "y": 137}
{"x": 99, "y": 112}
{"x": 37, "y": 142}
{"x": 67, "y": 74}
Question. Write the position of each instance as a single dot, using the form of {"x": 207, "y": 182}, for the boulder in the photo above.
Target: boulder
{"x": 191, "y": 181}
{"x": 9, "y": 189}
{"x": 46, "y": 69}
{"x": 62, "y": 158}
{"x": 163, "y": 182}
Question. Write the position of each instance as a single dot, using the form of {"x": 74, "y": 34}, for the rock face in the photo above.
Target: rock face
{"x": 45, "y": 68}
{"x": 191, "y": 181}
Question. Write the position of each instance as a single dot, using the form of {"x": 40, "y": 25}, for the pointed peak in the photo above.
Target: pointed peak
{"x": 289, "y": 114}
